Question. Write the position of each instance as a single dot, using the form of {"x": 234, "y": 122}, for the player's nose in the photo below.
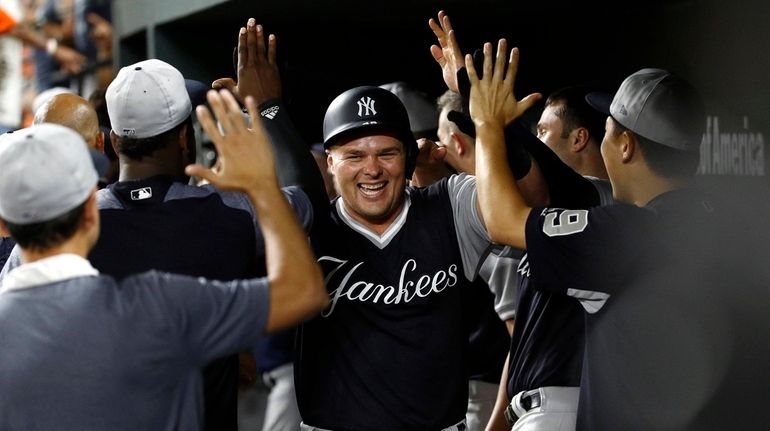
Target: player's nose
{"x": 372, "y": 166}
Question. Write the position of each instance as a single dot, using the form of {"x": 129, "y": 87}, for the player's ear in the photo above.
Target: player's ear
{"x": 329, "y": 162}
{"x": 183, "y": 141}
{"x": 100, "y": 141}
{"x": 4, "y": 229}
{"x": 90, "y": 211}
{"x": 460, "y": 144}
{"x": 579, "y": 139}
{"x": 628, "y": 145}
{"x": 114, "y": 142}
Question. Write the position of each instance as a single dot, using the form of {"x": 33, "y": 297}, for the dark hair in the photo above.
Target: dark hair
{"x": 137, "y": 149}
{"x": 575, "y": 112}
{"x": 47, "y": 234}
{"x": 663, "y": 160}
{"x": 99, "y": 103}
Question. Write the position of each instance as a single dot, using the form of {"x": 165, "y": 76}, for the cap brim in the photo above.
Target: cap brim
{"x": 463, "y": 122}
{"x": 358, "y": 129}
{"x": 197, "y": 91}
{"x": 600, "y": 101}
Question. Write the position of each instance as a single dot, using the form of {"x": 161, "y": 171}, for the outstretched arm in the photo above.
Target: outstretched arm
{"x": 257, "y": 69}
{"x": 259, "y": 77}
{"x": 246, "y": 164}
{"x": 447, "y": 53}
{"x": 492, "y": 106}
{"x": 70, "y": 60}
{"x": 497, "y": 421}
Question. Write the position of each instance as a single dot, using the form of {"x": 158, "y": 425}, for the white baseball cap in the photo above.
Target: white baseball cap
{"x": 45, "y": 171}
{"x": 146, "y": 99}
{"x": 662, "y": 107}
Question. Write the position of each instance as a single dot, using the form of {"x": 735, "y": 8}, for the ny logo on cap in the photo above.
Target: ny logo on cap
{"x": 366, "y": 104}
{"x": 141, "y": 194}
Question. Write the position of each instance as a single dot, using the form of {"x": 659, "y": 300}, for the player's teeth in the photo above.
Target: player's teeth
{"x": 371, "y": 189}
{"x": 372, "y": 186}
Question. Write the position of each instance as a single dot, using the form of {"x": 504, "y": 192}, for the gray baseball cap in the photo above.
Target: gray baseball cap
{"x": 661, "y": 107}
{"x": 146, "y": 99}
{"x": 45, "y": 171}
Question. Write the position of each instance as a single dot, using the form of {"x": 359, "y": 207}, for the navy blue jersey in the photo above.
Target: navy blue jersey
{"x": 389, "y": 351}
{"x": 672, "y": 300}
{"x": 169, "y": 226}
{"x": 547, "y": 343}
{"x": 166, "y": 225}
{"x": 6, "y": 246}
{"x": 488, "y": 338}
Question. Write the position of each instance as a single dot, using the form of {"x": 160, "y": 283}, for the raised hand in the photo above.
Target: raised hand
{"x": 430, "y": 166}
{"x": 245, "y": 157}
{"x": 492, "y": 99}
{"x": 447, "y": 53}
{"x": 101, "y": 33}
{"x": 258, "y": 74}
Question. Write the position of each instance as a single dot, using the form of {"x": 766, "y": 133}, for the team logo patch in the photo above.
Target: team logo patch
{"x": 366, "y": 107}
{"x": 129, "y": 132}
{"x": 141, "y": 194}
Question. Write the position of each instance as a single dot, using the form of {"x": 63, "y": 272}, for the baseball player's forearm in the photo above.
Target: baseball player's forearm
{"x": 296, "y": 166}
{"x": 501, "y": 205}
{"x": 29, "y": 36}
{"x": 296, "y": 284}
{"x": 248, "y": 166}
{"x": 497, "y": 421}
{"x": 509, "y": 325}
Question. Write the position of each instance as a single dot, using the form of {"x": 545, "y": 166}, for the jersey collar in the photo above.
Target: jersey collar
{"x": 381, "y": 241}
{"x": 49, "y": 270}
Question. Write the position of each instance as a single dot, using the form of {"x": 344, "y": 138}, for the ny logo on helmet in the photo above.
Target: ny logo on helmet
{"x": 366, "y": 104}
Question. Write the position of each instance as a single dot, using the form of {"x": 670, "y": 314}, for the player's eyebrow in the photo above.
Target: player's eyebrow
{"x": 393, "y": 149}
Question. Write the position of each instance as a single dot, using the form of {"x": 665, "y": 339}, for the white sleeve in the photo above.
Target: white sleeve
{"x": 472, "y": 237}
{"x": 500, "y": 271}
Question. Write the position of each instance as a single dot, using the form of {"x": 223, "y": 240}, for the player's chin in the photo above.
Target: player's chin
{"x": 375, "y": 209}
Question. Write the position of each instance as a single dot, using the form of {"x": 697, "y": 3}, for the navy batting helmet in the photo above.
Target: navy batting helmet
{"x": 369, "y": 110}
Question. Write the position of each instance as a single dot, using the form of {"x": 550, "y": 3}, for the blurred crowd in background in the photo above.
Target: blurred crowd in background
{"x": 67, "y": 47}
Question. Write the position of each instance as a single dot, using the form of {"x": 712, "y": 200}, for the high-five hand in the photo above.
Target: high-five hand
{"x": 447, "y": 53}
{"x": 258, "y": 74}
{"x": 492, "y": 98}
{"x": 245, "y": 157}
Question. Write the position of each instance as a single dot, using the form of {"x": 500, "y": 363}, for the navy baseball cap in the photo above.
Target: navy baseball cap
{"x": 197, "y": 91}
{"x": 600, "y": 101}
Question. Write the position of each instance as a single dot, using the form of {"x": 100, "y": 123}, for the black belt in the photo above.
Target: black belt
{"x": 527, "y": 402}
